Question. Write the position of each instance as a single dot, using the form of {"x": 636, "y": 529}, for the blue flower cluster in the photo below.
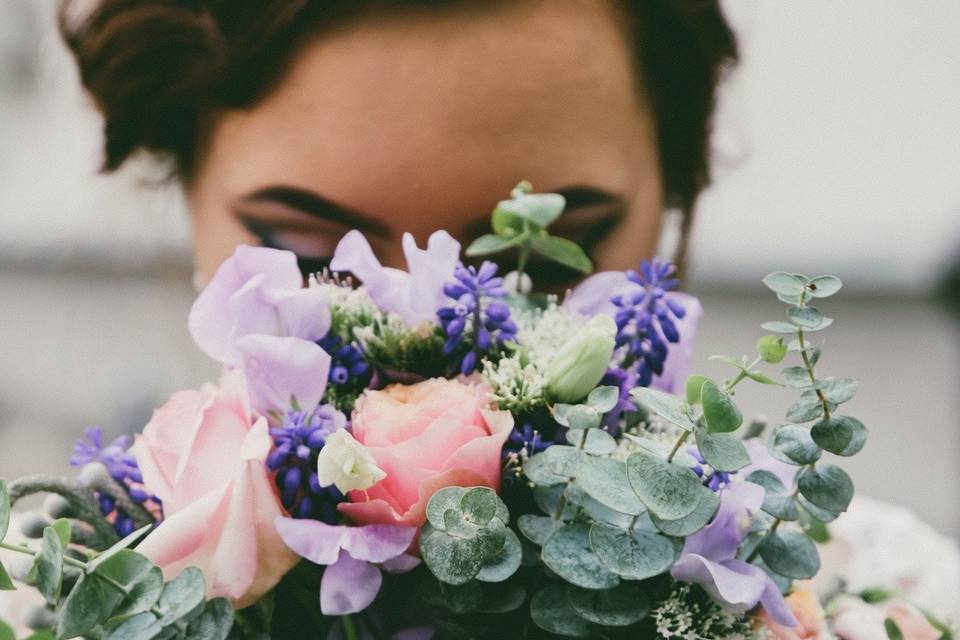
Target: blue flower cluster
{"x": 347, "y": 361}
{"x": 479, "y": 320}
{"x": 712, "y": 479}
{"x": 646, "y": 318}
{"x": 525, "y": 440}
{"x": 123, "y": 468}
{"x": 297, "y": 440}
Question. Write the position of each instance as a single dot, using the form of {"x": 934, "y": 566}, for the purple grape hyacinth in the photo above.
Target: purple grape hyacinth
{"x": 298, "y": 439}
{"x": 479, "y": 319}
{"x": 122, "y": 466}
{"x": 646, "y": 319}
{"x": 347, "y": 362}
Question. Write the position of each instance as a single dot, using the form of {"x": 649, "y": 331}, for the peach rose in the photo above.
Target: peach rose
{"x": 434, "y": 434}
{"x": 203, "y": 455}
{"x": 806, "y": 608}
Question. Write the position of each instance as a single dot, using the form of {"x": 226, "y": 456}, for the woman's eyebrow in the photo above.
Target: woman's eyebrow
{"x": 315, "y": 205}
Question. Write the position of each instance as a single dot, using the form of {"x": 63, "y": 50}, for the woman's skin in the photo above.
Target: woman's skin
{"x": 418, "y": 122}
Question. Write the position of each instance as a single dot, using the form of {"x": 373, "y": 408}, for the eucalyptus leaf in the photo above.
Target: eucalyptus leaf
{"x": 693, "y": 388}
{"x": 807, "y": 408}
{"x": 489, "y": 244}
{"x": 181, "y": 595}
{"x": 779, "y": 326}
{"x": 505, "y": 562}
{"x": 563, "y": 251}
{"x": 722, "y": 451}
{"x": 668, "y": 490}
{"x": 621, "y": 606}
{"x": 824, "y": 286}
{"x": 4, "y": 510}
{"x": 214, "y": 623}
{"x": 595, "y": 441}
{"x": 838, "y": 390}
{"x": 144, "y": 593}
{"x": 479, "y": 505}
{"x": 632, "y": 555}
{"x": 605, "y": 480}
{"x": 807, "y": 318}
{"x": 706, "y": 508}
{"x": 452, "y": 560}
{"x": 719, "y": 410}
{"x": 441, "y": 501}
{"x": 47, "y": 570}
{"x": 581, "y": 416}
{"x": 604, "y": 399}
{"x": 6, "y": 584}
{"x": 563, "y": 460}
{"x": 537, "y": 528}
{"x": 785, "y": 283}
{"x": 538, "y": 470}
{"x": 595, "y": 510}
{"x": 89, "y": 603}
{"x": 826, "y": 486}
{"x": 6, "y": 633}
{"x": 797, "y": 377}
{"x": 665, "y": 405}
{"x": 791, "y": 554}
{"x": 813, "y": 527}
{"x": 841, "y": 435}
{"x": 127, "y": 542}
{"x": 777, "y": 499}
{"x": 539, "y": 208}
{"x": 507, "y": 223}
{"x": 569, "y": 554}
{"x": 550, "y": 610}
{"x": 771, "y": 349}
{"x": 813, "y": 511}
{"x": 793, "y": 445}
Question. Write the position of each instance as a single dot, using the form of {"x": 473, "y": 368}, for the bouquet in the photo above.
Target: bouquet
{"x": 444, "y": 452}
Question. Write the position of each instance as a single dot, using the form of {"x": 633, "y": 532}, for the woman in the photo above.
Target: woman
{"x": 290, "y": 122}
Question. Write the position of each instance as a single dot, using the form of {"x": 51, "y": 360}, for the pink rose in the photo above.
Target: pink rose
{"x": 434, "y": 434}
{"x": 203, "y": 455}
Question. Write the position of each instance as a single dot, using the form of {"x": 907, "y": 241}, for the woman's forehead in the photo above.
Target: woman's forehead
{"x": 451, "y": 108}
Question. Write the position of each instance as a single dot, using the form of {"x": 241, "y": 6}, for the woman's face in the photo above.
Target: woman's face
{"x": 423, "y": 121}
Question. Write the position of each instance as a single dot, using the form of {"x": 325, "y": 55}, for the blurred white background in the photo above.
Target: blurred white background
{"x": 837, "y": 151}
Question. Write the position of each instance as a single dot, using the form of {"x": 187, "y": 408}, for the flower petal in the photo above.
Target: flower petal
{"x": 316, "y": 541}
{"x": 278, "y": 368}
{"x": 429, "y": 269}
{"x": 735, "y": 584}
{"x": 348, "y": 586}
{"x": 378, "y": 542}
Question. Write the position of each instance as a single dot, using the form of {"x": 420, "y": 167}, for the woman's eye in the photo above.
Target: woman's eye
{"x": 314, "y": 250}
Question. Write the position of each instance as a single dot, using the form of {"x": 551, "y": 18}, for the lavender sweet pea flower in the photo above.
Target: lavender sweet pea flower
{"x": 351, "y": 581}
{"x": 415, "y": 295}
{"x": 256, "y": 315}
{"x": 709, "y": 558}
{"x": 595, "y": 296}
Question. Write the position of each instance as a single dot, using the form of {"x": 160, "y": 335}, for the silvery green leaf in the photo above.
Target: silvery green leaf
{"x": 814, "y": 528}
{"x": 548, "y": 500}
{"x": 785, "y": 283}
{"x": 539, "y": 208}
{"x": 838, "y": 390}
{"x": 815, "y": 512}
{"x": 6, "y": 584}
{"x": 826, "y": 486}
{"x": 4, "y": 510}
{"x": 807, "y": 408}
{"x": 777, "y": 499}
{"x": 479, "y": 505}
{"x": 452, "y": 560}
{"x": 568, "y": 553}
{"x": 127, "y": 542}
{"x": 668, "y": 490}
{"x": 563, "y": 459}
{"x": 537, "y": 528}
{"x": 89, "y": 603}
{"x": 771, "y": 349}
{"x": 789, "y": 298}
{"x": 667, "y": 406}
{"x": 694, "y": 387}
{"x": 807, "y": 318}
{"x": 489, "y": 244}
{"x": 632, "y": 555}
{"x": 793, "y": 445}
{"x": 707, "y": 505}
{"x": 504, "y": 563}
{"x": 621, "y": 606}
{"x": 595, "y": 510}
{"x": 550, "y": 610}
{"x": 797, "y": 377}
{"x": 595, "y": 441}
{"x": 539, "y": 472}
{"x": 719, "y": 410}
{"x": 840, "y": 435}
{"x": 507, "y": 223}
{"x": 604, "y": 399}
{"x": 756, "y": 376}
{"x": 791, "y": 554}
{"x": 559, "y": 413}
{"x": 181, "y": 595}
{"x": 779, "y": 326}
{"x": 605, "y": 480}
{"x": 47, "y": 571}
{"x": 563, "y": 251}
{"x": 441, "y": 501}
{"x": 580, "y": 416}
{"x": 214, "y": 622}
{"x": 730, "y": 360}
{"x": 824, "y": 286}
{"x": 722, "y": 451}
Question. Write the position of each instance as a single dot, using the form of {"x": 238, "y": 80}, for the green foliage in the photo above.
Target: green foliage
{"x": 669, "y": 490}
{"x": 791, "y": 554}
{"x": 569, "y": 553}
{"x": 777, "y": 500}
{"x": 669, "y": 407}
{"x": 841, "y": 435}
{"x": 722, "y": 451}
{"x": 771, "y": 349}
{"x": 632, "y": 553}
{"x": 826, "y": 486}
{"x": 621, "y": 606}
{"x": 719, "y": 411}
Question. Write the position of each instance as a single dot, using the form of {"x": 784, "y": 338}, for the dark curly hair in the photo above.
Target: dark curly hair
{"x": 156, "y": 68}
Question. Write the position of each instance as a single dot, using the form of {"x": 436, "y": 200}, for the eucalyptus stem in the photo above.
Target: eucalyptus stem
{"x": 349, "y": 628}
{"x": 679, "y": 443}
{"x": 73, "y": 562}
{"x": 82, "y": 501}
{"x": 562, "y": 501}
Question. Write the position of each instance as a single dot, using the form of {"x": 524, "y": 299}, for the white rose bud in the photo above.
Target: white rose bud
{"x": 581, "y": 362}
{"x": 346, "y": 463}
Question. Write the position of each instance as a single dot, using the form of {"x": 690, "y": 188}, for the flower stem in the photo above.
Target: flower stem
{"x": 73, "y": 562}
{"x": 679, "y": 443}
{"x": 349, "y": 628}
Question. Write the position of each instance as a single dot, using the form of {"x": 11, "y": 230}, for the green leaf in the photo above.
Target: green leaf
{"x": 593, "y": 509}
{"x": 604, "y": 399}
{"x": 214, "y": 623}
{"x": 550, "y": 610}
{"x": 771, "y": 349}
{"x": 841, "y": 435}
{"x": 605, "y": 480}
{"x": 824, "y": 286}
{"x": 539, "y": 208}
{"x": 563, "y": 460}
{"x": 581, "y": 416}
{"x": 47, "y": 570}
{"x": 621, "y": 606}
{"x": 537, "y": 528}
{"x": 791, "y": 554}
{"x": 808, "y": 407}
{"x": 598, "y": 442}
{"x": 892, "y": 630}
{"x": 568, "y": 553}
{"x": 539, "y": 472}
{"x": 667, "y": 406}
{"x": 6, "y": 633}
{"x": 826, "y": 486}
{"x": 818, "y": 513}
{"x": 722, "y": 451}
{"x": 489, "y": 244}
{"x": 667, "y": 489}
{"x": 479, "y": 505}
{"x": 721, "y": 414}
{"x": 797, "y": 377}
{"x": 779, "y": 326}
{"x": 635, "y": 555}
{"x": 127, "y": 542}
{"x": 144, "y": 593}
{"x": 756, "y": 376}
{"x": 452, "y": 560}
{"x": 785, "y": 283}
{"x": 807, "y": 318}
{"x": 838, "y": 390}
{"x": 814, "y": 528}
{"x": 707, "y": 506}
{"x": 694, "y": 387}
{"x": 563, "y": 251}
{"x": 504, "y": 563}
{"x": 6, "y": 584}
{"x": 777, "y": 499}
{"x": 89, "y": 603}
{"x": 507, "y": 223}
{"x": 793, "y": 445}
{"x": 4, "y": 509}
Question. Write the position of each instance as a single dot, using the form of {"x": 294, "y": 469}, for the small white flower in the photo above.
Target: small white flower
{"x": 346, "y": 463}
